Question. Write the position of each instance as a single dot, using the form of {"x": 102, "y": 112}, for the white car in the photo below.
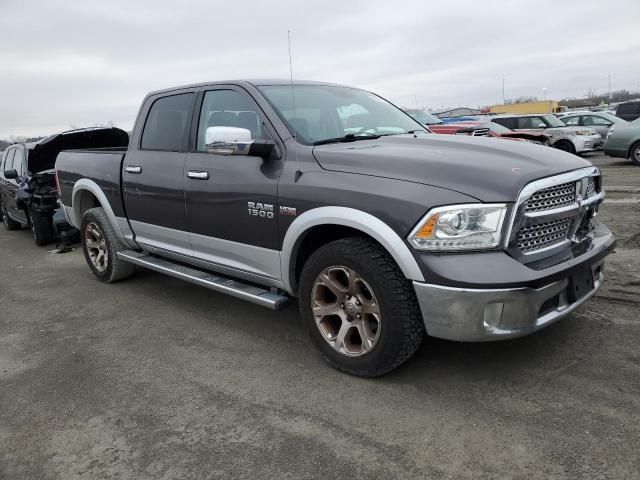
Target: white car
{"x": 577, "y": 140}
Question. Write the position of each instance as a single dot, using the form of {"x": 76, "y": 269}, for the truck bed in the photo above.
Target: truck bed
{"x": 103, "y": 166}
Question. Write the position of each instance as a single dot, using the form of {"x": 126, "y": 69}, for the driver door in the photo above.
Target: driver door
{"x": 232, "y": 199}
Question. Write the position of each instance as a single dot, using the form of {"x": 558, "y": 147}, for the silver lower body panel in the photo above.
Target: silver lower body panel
{"x": 477, "y": 315}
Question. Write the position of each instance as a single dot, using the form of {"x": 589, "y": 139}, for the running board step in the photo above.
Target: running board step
{"x": 235, "y": 288}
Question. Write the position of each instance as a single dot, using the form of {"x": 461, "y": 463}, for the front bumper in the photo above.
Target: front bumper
{"x": 476, "y": 315}
{"x": 585, "y": 144}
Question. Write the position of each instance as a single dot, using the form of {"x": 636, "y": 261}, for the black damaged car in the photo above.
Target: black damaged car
{"x": 28, "y": 190}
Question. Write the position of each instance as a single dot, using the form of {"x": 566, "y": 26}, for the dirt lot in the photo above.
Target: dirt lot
{"x": 155, "y": 378}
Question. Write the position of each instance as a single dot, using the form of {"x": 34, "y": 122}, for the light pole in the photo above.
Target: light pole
{"x": 544, "y": 93}
{"x": 503, "y": 99}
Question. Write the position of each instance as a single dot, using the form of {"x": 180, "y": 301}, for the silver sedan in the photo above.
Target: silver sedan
{"x": 600, "y": 121}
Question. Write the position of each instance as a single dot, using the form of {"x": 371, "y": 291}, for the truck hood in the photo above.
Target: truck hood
{"x": 490, "y": 170}
{"x": 43, "y": 155}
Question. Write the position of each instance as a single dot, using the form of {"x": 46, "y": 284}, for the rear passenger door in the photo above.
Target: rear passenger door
{"x": 153, "y": 174}
{"x": 232, "y": 199}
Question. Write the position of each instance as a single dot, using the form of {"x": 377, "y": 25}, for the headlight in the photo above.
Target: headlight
{"x": 460, "y": 227}
{"x": 584, "y": 132}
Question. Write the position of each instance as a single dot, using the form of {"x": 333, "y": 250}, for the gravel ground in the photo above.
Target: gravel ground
{"x": 155, "y": 378}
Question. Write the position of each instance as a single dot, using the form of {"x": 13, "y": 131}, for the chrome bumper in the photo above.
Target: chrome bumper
{"x": 481, "y": 315}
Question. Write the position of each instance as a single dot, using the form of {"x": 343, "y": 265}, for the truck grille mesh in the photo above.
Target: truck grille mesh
{"x": 591, "y": 187}
{"x": 538, "y": 236}
{"x": 553, "y": 197}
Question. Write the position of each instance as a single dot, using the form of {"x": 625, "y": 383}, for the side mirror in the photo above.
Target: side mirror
{"x": 11, "y": 174}
{"x": 236, "y": 141}
{"x": 542, "y": 125}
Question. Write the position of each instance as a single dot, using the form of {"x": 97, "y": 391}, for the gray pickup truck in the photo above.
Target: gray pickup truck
{"x": 267, "y": 190}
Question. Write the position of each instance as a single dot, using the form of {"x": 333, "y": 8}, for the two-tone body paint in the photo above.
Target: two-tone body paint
{"x": 392, "y": 181}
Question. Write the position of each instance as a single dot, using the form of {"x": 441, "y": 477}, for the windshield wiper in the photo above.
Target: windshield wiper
{"x": 349, "y": 137}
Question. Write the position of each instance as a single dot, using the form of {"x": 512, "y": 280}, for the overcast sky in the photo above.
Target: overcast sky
{"x": 82, "y": 62}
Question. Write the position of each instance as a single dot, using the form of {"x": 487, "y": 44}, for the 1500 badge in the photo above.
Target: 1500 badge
{"x": 257, "y": 209}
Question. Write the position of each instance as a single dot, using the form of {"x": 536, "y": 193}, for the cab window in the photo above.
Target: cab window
{"x": 165, "y": 128}
{"x": 228, "y": 108}
{"x": 9, "y": 160}
{"x": 19, "y": 162}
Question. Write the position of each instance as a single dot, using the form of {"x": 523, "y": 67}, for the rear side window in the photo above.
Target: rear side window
{"x": 571, "y": 121}
{"x": 530, "y": 122}
{"x": 165, "y": 128}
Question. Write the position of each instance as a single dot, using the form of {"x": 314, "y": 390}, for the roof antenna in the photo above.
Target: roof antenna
{"x": 293, "y": 106}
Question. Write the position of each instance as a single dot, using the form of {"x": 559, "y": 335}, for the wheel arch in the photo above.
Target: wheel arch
{"x": 87, "y": 194}
{"x": 324, "y": 224}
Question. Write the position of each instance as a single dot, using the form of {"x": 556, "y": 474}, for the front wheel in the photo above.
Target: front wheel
{"x": 634, "y": 154}
{"x": 565, "y": 146}
{"x": 101, "y": 245}
{"x": 360, "y": 310}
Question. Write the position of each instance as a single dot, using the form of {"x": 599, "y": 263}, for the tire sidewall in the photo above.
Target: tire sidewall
{"x": 390, "y": 331}
{"x": 632, "y": 156}
{"x": 91, "y": 217}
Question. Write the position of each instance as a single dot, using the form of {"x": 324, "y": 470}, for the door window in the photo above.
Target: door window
{"x": 18, "y": 162}
{"x": 530, "y": 122}
{"x": 593, "y": 120}
{"x": 506, "y": 122}
{"x": 9, "y": 160}
{"x": 165, "y": 128}
{"x": 571, "y": 121}
{"x": 228, "y": 108}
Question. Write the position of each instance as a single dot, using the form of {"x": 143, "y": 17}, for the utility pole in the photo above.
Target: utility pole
{"x": 503, "y": 99}
{"x": 609, "y": 88}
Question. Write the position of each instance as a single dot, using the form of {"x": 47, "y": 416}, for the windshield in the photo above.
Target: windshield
{"x": 497, "y": 128}
{"x": 425, "y": 118}
{"x": 323, "y": 113}
{"x": 554, "y": 121}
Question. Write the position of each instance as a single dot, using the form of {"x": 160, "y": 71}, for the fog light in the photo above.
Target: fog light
{"x": 493, "y": 315}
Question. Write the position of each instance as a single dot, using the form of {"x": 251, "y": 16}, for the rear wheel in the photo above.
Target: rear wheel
{"x": 565, "y": 146}
{"x": 634, "y": 154}
{"x": 360, "y": 310}
{"x": 101, "y": 245}
{"x": 41, "y": 227}
{"x": 8, "y": 223}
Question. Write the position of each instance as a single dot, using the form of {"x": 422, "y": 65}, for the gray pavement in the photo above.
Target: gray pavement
{"x": 155, "y": 378}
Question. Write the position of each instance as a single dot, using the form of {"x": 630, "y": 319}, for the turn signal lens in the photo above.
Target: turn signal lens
{"x": 427, "y": 229}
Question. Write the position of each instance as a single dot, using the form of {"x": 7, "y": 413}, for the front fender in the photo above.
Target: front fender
{"x": 348, "y": 217}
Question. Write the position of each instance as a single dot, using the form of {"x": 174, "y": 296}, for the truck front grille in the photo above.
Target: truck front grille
{"x": 557, "y": 196}
{"x": 553, "y": 211}
{"x": 543, "y": 235}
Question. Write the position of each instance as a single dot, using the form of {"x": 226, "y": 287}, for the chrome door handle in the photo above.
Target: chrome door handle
{"x": 198, "y": 175}
{"x": 133, "y": 169}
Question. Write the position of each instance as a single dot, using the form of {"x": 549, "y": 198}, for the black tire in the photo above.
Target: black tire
{"x": 634, "y": 153}
{"x": 565, "y": 146}
{"x": 401, "y": 325}
{"x": 8, "y": 222}
{"x": 41, "y": 228}
{"x": 113, "y": 269}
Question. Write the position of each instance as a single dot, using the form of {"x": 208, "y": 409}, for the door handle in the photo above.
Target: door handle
{"x": 133, "y": 169}
{"x": 198, "y": 175}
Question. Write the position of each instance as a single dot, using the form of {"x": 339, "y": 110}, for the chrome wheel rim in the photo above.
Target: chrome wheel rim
{"x": 636, "y": 154}
{"x": 96, "y": 247}
{"x": 346, "y": 311}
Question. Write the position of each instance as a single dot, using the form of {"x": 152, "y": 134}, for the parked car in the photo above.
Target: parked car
{"x": 424, "y": 117}
{"x": 489, "y": 129}
{"x": 629, "y": 111}
{"x": 28, "y": 194}
{"x": 601, "y": 122}
{"x": 381, "y": 230}
{"x": 624, "y": 141}
{"x": 577, "y": 140}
